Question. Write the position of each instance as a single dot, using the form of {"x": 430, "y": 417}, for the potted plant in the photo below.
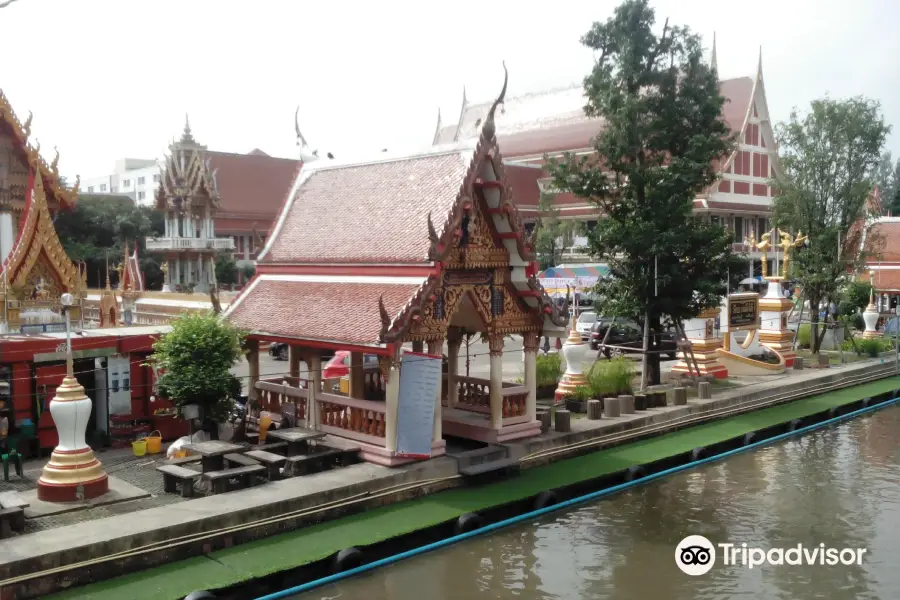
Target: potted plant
{"x": 548, "y": 373}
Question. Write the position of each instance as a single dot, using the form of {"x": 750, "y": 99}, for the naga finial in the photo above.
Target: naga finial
{"x": 432, "y": 232}
{"x": 77, "y": 184}
{"x": 490, "y": 127}
{"x": 385, "y": 317}
{"x": 301, "y": 141}
{"x": 37, "y": 147}
{"x": 54, "y": 166}
{"x": 26, "y": 128}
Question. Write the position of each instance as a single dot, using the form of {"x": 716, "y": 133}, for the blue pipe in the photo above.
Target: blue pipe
{"x": 561, "y": 505}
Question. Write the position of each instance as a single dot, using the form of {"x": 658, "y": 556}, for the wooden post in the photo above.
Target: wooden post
{"x": 454, "y": 341}
{"x": 593, "y": 409}
{"x": 798, "y": 363}
{"x": 314, "y": 365}
{"x": 640, "y": 402}
{"x": 612, "y": 406}
{"x": 626, "y": 403}
{"x": 253, "y": 364}
{"x": 545, "y": 418}
{"x": 357, "y": 376}
{"x": 680, "y": 396}
{"x": 530, "y": 340}
{"x": 563, "y": 421}
{"x": 391, "y": 400}
{"x": 436, "y": 347}
{"x": 294, "y": 357}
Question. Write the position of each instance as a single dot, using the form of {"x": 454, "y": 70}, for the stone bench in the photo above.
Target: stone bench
{"x": 273, "y": 462}
{"x": 241, "y": 460}
{"x": 270, "y": 446}
{"x": 245, "y": 475}
{"x": 191, "y": 458}
{"x": 174, "y": 475}
{"x": 12, "y": 513}
{"x": 307, "y": 464}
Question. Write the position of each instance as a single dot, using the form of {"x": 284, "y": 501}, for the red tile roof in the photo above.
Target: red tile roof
{"x": 316, "y": 310}
{"x": 883, "y": 241}
{"x": 886, "y": 280}
{"x": 252, "y": 184}
{"x": 373, "y": 212}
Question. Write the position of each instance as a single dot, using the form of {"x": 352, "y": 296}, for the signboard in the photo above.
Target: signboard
{"x": 43, "y": 328}
{"x": 743, "y": 313}
{"x": 420, "y": 380}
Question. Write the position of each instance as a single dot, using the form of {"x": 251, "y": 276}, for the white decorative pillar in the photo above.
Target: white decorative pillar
{"x": 530, "y": 340}
{"x": 495, "y": 343}
{"x": 700, "y": 332}
{"x": 774, "y": 333}
{"x": 435, "y": 347}
{"x": 573, "y": 351}
{"x": 870, "y": 315}
{"x": 73, "y": 472}
{"x": 314, "y": 363}
{"x": 391, "y": 401}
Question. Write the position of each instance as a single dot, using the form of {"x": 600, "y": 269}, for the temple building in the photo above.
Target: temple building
{"x": 108, "y": 362}
{"x": 553, "y": 122}
{"x": 215, "y": 202}
{"x": 426, "y": 248}
{"x": 882, "y": 260}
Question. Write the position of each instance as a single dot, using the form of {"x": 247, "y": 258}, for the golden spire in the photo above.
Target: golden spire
{"x": 713, "y": 63}
{"x": 107, "y": 273}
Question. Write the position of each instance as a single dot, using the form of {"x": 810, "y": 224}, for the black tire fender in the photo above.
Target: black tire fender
{"x": 866, "y": 402}
{"x": 545, "y": 499}
{"x": 468, "y": 522}
{"x": 699, "y": 453}
{"x": 348, "y": 558}
{"x": 635, "y": 472}
{"x": 795, "y": 424}
{"x": 749, "y": 438}
{"x": 201, "y": 595}
{"x": 833, "y": 412}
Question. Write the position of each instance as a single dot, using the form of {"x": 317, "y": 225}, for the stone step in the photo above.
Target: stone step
{"x": 480, "y": 456}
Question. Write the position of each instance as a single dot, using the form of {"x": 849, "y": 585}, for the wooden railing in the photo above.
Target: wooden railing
{"x": 515, "y": 400}
{"x": 374, "y": 385}
{"x": 273, "y": 393}
{"x": 362, "y": 420}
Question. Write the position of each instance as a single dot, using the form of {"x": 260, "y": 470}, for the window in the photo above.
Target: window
{"x": 141, "y": 195}
{"x": 91, "y": 190}
{"x": 126, "y": 183}
{"x": 725, "y": 186}
{"x": 738, "y": 230}
{"x": 756, "y": 164}
{"x": 156, "y": 179}
{"x": 741, "y": 187}
{"x": 141, "y": 180}
{"x": 102, "y": 187}
{"x": 112, "y": 189}
{"x": 759, "y": 189}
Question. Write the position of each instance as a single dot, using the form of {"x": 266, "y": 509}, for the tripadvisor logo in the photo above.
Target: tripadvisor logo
{"x": 696, "y": 555}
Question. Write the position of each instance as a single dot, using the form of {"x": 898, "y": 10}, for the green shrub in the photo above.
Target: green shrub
{"x": 549, "y": 370}
{"x": 803, "y": 335}
{"x": 611, "y": 377}
{"x": 581, "y": 393}
{"x": 871, "y": 347}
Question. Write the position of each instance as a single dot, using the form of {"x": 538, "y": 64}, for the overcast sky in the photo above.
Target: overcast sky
{"x": 108, "y": 79}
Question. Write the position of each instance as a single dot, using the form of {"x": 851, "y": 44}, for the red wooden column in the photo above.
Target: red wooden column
{"x": 22, "y": 392}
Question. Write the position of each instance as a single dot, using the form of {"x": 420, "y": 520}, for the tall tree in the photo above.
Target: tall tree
{"x": 99, "y": 226}
{"x": 552, "y": 235}
{"x": 664, "y": 130}
{"x": 887, "y": 178}
{"x": 829, "y": 158}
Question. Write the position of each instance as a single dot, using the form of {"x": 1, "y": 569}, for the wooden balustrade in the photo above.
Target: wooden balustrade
{"x": 374, "y": 385}
{"x": 272, "y": 393}
{"x": 474, "y": 394}
{"x": 362, "y": 420}
{"x": 515, "y": 400}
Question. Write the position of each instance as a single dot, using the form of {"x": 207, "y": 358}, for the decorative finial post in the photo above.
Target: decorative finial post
{"x": 870, "y": 316}
{"x": 490, "y": 127}
{"x": 713, "y": 63}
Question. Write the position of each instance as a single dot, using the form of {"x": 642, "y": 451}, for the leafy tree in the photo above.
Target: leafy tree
{"x": 664, "y": 129}
{"x": 99, "y": 226}
{"x": 552, "y": 235}
{"x": 854, "y": 297}
{"x": 226, "y": 269}
{"x": 887, "y": 178}
{"x": 248, "y": 271}
{"x": 829, "y": 157}
{"x": 195, "y": 360}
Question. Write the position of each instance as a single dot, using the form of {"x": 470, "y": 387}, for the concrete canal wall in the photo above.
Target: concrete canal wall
{"x": 214, "y": 537}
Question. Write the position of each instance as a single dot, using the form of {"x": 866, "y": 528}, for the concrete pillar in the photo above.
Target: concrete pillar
{"x": 253, "y": 362}
{"x": 357, "y": 376}
{"x": 294, "y": 358}
{"x": 435, "y": 347}
{"x": 496, "y": 354}
{"x": 391, "y": 399}
{"x": 454, "y": 341}
{"x": 314, "y": 364}
{"x": 531, "y": 349}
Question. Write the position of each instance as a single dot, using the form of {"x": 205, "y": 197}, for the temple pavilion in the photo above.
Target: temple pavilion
{"x": 368, "y": 256}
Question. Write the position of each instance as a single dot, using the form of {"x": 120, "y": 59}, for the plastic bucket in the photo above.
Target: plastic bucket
{"x": 154, "y": 442}
{"x": 139, "y": 447}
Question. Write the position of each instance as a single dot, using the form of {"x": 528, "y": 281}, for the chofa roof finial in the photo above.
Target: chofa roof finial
{"x": 490, "y": 127}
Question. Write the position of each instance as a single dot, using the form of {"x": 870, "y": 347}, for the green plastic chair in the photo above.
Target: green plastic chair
{"x": 11, "y": 455}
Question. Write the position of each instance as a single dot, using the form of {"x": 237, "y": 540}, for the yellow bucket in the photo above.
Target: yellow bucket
{"x": 139, "y": 447}
{"x": 264, "y": 422}
{"x": 154, "y": 442}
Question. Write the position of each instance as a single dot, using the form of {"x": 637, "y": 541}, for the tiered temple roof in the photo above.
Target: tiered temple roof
{"x": 359, "y": 247}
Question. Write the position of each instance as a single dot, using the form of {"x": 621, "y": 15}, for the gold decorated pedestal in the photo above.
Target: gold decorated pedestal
{"x": 73, "y": 473}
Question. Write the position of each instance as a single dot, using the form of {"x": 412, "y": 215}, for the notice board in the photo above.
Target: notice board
{"x": 420, "y": 380}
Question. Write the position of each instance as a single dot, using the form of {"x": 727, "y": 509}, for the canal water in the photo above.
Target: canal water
{"x": 839, "y": 487}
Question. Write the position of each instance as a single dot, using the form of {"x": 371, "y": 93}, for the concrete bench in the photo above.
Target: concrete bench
{"x": 491, "y": 471}
{"x": 272, "y": 461}
{"x": 241, "y": 460}
{"x": 12, "y": 512}
{"x": 245, "y": 475}
{"x": 174, "y": 475}
{"x": 184, "y": 460}
{"x": 271, "y": 446}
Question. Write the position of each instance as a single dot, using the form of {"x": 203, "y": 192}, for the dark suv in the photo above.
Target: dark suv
{"x": 627, "y": 333}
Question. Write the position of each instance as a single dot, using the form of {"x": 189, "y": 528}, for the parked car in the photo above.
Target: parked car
{"x": 278, "y": 351}
{"x": 584, "y": 323}
{"x": 339, "y": 365}
{"x": 627, "y": 333}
